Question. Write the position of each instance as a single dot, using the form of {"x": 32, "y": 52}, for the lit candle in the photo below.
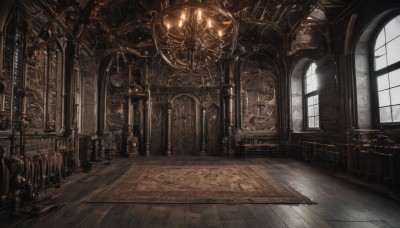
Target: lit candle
{"x": 168, "y": 26}
{"x": 180, "y": 23}
{"x": 209, "y": 23}
{"x": 220, "y": 33}
{"x": 199, "y": 14}
{"x": 183, "y": 16}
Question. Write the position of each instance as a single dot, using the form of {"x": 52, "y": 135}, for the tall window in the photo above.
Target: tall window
{"x": 386, "y": 74}
{"x": 13, "y": 55}
{"x": 311, "y": 97}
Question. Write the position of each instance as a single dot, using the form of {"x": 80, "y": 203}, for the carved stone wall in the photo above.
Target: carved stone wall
{"x": 159, "y": 127}
{"x": 90, "y": 114}
{"x": 115, "y": 110}
{"x": 213, "y": 126}
{"x": 259, "y": 96}
{"x": 163, "y": 76}
{"x": 44, "y": 88}
{"x": 36, "y": 145}
{"x": 37, "y": 66}
{"x": 329, "y": 98}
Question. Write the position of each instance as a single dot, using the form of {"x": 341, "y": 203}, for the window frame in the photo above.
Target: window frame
{"x": 374, "y": 74}
{"x": 305, "y": 99}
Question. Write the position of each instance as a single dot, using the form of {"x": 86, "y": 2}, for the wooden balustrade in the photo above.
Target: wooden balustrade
{"x": 374, "y": 156}
{"x": 325, "y": 151}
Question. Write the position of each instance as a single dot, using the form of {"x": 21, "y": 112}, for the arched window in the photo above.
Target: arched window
{"x": 385, "y": 81}
{"x": 311, "y": 97}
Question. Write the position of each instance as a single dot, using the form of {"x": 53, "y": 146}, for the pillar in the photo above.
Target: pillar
{"x": 203, "y": 131}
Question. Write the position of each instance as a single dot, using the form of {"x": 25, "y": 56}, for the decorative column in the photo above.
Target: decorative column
{"x": 169, "y": 147}
{"x": 228, "y": 93}
{"x": 131, "y": 140}
{"x": 147, "y": 125}
{"x": 147, "y": 112}
{"x": 228, "y": 98}
{"x": 203, "y": 131}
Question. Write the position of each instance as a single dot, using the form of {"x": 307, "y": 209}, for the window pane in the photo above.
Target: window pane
{"x": 394, "y": 78}
{"x": 384, "y": 99}
{"x": 393, "y": 50}
{"x": 311, "y": 79}
{"x": 380, "y": 41}
{"x": 310, "y": 101}
{"x": 312, "y": 68}
{"x": 314, "y": 82}
{"x": 311, "y": 111}
{"x": 316, "y": 99}
{"x": 380, "y": 58}
{"x": 392, "y": 29}
{"x": 395, "y": 95}
{"x": 396, "y": 113}
{"x": 316, "y": 110}
{"x": 309, "y": 71}
{"x": 317, "y": 121}
{"x": 385, "y": 115}
{"x": 311, "y": 123}
{"x": 308, "y": 83}
{"x": 383, "y": 82}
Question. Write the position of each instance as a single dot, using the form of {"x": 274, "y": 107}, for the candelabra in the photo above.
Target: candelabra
{"x": 190, "y": 34}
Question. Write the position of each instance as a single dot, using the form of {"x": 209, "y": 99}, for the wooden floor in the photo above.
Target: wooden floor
{"x": 338, "y": 204}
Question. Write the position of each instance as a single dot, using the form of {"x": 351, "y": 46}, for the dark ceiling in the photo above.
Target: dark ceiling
{"x": 286, "y": 25}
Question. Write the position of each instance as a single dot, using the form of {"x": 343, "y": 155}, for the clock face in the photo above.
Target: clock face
{"x": 117, "y": 79}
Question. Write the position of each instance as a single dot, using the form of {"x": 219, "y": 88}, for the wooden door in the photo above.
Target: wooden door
{"x": 185, "y": 125}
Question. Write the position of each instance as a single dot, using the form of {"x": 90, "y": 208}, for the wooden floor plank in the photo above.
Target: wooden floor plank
{"x": 136, "y": 215}
{"x": 339, "y": 204}
{"x": 116, "y": 215}
{"x": 309, "y": 217}
{"x": 266, "y": 216}
{"x": 290, "y": 216}
{"x": 95, "y": 218}
{"x": 206, "y": 214}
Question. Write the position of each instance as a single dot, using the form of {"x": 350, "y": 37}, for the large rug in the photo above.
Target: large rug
{"x": 199, "y": 184}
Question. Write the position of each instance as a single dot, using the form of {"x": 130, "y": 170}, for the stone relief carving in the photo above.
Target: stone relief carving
{"x": 51, "y": 98}
{"x": 205, "y": 76}
{"x": 115, "y": 108}
{"x": 43, "y": 76}
{"x": 35, "y": 87}
{"x": 259, "y": 102}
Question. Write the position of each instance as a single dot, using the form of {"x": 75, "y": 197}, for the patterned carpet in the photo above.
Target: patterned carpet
{"x": 199, "y": 184}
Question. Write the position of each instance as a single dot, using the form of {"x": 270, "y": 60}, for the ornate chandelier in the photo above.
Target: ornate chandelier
{"x": 190, "y": 34}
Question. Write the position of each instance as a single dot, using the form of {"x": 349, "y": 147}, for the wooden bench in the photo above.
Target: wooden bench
{"x": 260, "y": 148}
